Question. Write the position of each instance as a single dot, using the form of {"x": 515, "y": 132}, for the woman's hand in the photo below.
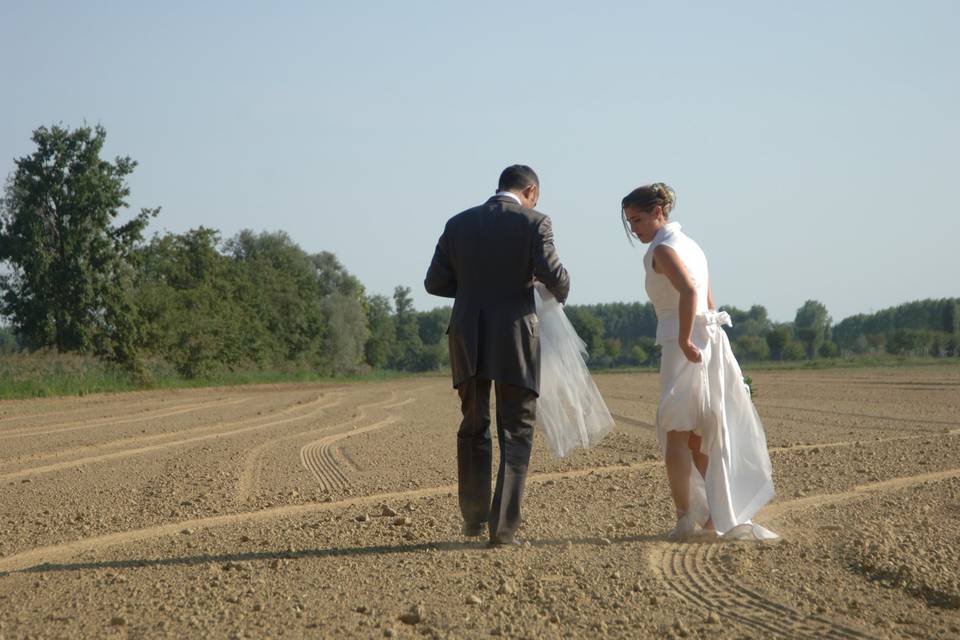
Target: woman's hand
{"x": 690, "y": 350}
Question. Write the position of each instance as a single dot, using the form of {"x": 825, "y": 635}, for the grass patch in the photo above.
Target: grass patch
{"x": 854, "y": 362}
{"x": 50, "y": 374}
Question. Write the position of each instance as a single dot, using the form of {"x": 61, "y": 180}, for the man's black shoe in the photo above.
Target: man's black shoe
{"x": 504, "y": 541}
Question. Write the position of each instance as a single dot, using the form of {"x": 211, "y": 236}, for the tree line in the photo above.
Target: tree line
{"x": 78, "y": 281}
{"x": 622, "y": 334}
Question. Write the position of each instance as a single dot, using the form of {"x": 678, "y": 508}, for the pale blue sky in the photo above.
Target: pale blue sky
{"x": 812, "y": 145}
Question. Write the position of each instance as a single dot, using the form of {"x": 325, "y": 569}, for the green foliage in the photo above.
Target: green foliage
{"x": 793, "y": 351}
{"x": 778, "y": 338}
{"x": 189, "y": 301}
{"x": 260, "y": 302}
{"x": 812, "y": 326}
{"x": 747, "y": 380}
{"x": 828, "y": 349}
{"x": 407, "y": 346}
{"x": 432, "y": 325}
{"x": 754, "y": 322}
{"x": 346, "y": 336}
{"x": 344, "y": 304}
{"x": 46, "y": 373}
{"x": 590, "y": 328}
{"x": 70, "y": 281}
{"x": 275, "y": 283}
{"x": 924, "y": 326}
{"x": 383, "y": 332}
{"x": 620, "y": 323}
{"x": 9, "y": 343}
{"x": 750, "y": 347}
{"x": 638, "y": 356}
{"x": 191, "y": 307}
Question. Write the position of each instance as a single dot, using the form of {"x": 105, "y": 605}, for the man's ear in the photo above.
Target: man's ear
{"x": 530, "y": 192}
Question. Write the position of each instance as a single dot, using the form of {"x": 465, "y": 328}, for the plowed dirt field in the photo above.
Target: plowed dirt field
{"x": 329, "y": 511}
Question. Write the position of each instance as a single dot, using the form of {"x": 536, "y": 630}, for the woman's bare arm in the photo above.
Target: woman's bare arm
{"x": 669, "y": 264}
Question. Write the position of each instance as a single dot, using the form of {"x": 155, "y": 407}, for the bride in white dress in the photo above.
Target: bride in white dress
{"x": 711, "y": 436}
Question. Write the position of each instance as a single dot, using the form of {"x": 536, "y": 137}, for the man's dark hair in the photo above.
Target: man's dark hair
{"x": 517, "y": 177}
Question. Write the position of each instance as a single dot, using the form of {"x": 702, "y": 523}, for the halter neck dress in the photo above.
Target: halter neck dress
{"x": 709, "y": 398}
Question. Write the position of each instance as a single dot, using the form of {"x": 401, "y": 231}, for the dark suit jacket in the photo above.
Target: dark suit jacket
{"x": 487, "y": 258}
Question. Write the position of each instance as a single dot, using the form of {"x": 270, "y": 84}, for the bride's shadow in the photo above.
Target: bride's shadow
{"x": 336, "y": 552}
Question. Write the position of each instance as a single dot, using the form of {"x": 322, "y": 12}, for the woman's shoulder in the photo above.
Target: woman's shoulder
{"x": 688, "y": 249}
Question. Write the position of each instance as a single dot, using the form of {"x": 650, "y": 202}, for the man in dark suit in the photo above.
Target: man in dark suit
{"x": 487, "y": 259}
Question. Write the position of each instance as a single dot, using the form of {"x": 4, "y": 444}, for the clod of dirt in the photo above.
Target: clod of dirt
{"x": 414, "y": 616}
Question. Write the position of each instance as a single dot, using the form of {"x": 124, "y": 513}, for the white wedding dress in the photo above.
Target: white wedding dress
{"x": 709, "y": 398}
{"x": 570, "y": 410}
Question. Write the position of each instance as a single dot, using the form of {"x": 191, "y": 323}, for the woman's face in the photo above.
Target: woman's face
{"x": 645, "y": 224}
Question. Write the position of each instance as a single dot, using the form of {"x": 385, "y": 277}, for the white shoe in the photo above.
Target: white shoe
{"x": 684, "y": 530}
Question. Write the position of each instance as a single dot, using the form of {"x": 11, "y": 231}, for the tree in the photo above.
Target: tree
{"x": 277, "y": 283}
{"x": 590, "y": 329}
{"x": 8, "y": 340}
{"x": 754, "y": 322}
{"x": 70, "y": 280}
{"x": 433, "y": 334}
{"x": 197, "y": 312}
{"x": 828, "y": 349}
{"x": 344, "y": 301}
{"x": 751, "y": 348}
{"x": 778, "y": 338}
{"x": 347, "y": 335}
{"x": 792, "y": 351}
{"x": 408, "y": 346}
{"x": 333, "y": 277}
{"x": 812, "y": 326}
{"x": 383, "y": 332}
{"x": 432, "y": 325}
{"x": 638, "y": 355}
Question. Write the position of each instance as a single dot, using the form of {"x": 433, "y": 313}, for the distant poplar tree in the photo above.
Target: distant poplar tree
{"x": 408, "y": 347}
{"x": 812, "y": 326}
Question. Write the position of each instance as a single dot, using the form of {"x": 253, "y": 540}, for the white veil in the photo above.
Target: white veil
{"x": 570, "y": 411}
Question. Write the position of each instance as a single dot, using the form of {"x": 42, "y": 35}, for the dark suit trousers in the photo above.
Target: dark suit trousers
{"x": 516, "y": 413}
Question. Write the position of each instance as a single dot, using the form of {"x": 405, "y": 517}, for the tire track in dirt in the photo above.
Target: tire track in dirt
{"x": 247, "y": 481}
{"x": 319, "y": 460}
{"x": 694, "y": 572}
{"x": 100, "y": 422}
{"x": 135, "y": 440}
{"x": 774, "y": 511}
{"x": 826, "y": 445}
{"x": 131, "y": 408}
{"x": 943, "y": 423}
{"x": 59, "y": 466}
{"x": 320, "y": 457}
{"x": 633, "y": 421}
{"x": 61, "y": 552}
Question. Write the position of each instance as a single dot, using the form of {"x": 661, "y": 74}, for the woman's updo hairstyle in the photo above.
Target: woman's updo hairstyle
{"x": 644, "y": 199}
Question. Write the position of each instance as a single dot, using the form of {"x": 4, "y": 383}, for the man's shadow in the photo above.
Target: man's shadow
{"x": 336, "y": 552}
